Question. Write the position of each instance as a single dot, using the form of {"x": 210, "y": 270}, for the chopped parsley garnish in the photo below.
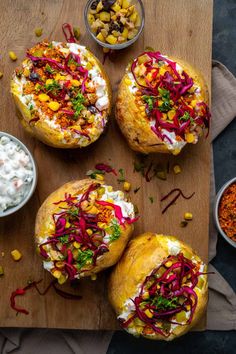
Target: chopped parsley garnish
{"x": 162, "y": 303}
{"x": 93, "y": 173}
{"x": 185, "y": 117}
{"x": 31, "y": 107}
{"x": 71, "y": 61}
{"x": 165, "y": 107}
{"x": 53, "y": 87}
{"x": 84, "y": 257}
{"x": 136, "y": 190}
{"x": 121, "y": 177}
{"x": 50, "y": 45}
{"x": 115, "y": 229}
{"x": 73, "y": 212}
{"x": 165, "y": 94}
{"x": 151, "y": 199}
{"x": 161, "y": 63}
{"x": 78, "y": 104}
{"x": 64, "y": 239}
{"x": 149, "y": 100}
{"x": 49, "y": 69}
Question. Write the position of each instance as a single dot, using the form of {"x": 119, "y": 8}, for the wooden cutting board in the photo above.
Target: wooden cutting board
{"x": 182, "y": 28}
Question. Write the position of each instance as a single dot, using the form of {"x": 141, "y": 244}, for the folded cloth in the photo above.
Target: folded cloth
{"x": 221, "y": 313}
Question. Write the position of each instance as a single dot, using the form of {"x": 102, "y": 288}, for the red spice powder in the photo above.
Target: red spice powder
{"x": 227, "y": 212}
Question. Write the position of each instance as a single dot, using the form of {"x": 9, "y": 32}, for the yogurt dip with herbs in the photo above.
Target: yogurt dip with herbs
{"x": 16, "y": 173}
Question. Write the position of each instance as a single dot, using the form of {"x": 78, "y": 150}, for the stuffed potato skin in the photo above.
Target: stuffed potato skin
{"x": 142, "y": 255}
{"x": 51, "y": 131}
{"x": 133, "y": 120}
{"x": 44, "y": 226}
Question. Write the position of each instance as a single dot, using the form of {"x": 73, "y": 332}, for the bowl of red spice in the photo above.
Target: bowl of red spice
{"x": 225, "y": 211}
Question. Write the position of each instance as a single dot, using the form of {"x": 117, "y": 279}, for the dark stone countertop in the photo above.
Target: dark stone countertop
{"x": 207, "y": 342}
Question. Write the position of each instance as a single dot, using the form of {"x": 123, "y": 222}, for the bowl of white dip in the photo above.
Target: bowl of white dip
{"x": 18, "y": 174}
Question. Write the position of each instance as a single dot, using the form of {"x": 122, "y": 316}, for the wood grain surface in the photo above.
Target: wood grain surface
{"x": 182, "y": 28}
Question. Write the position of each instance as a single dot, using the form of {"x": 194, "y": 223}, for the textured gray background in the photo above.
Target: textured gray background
{"x": 208, "y": 342}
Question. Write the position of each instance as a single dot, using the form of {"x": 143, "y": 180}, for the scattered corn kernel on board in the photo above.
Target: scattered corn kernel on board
{"x": 182, "y": 28}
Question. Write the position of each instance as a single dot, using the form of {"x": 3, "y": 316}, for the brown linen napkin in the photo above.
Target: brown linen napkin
{"x": 221, "y": 314}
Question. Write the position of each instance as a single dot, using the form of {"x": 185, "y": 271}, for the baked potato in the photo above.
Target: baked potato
{"x": 159, "y": 287}
{"x": 83, "y": 228}
{"x": 62, "y": 94}
{"x": 162, "y": 104}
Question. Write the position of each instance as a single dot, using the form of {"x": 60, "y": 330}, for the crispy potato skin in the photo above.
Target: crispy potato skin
{"x": 44, "y": 220}
{"x": 143, "y": 254}
{"x": 41, "y": 130}
{"x": 134, "y": 126}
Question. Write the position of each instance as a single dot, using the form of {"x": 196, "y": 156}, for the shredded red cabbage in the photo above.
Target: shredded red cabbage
{"x": 105, "y": 168}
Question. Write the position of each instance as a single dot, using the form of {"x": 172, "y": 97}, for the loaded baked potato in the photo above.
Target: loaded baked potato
{"x": 162, "y": 104}
{"x": 63, "y": 94}
{"x": 159, "y": 287}
{"x": 83, "y": 228}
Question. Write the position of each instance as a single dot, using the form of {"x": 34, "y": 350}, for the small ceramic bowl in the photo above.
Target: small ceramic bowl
{"x": 140, "y": 10}
{"x": 216, "y": 211}
{"x": 31, "y": 190}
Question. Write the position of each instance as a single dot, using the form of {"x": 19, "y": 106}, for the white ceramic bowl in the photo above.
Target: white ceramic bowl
{"x": 216, "y": 208}
{"x": 17, "y": 207}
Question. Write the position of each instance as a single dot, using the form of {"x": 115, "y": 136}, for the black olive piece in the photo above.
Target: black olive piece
{"x": 107, "y": 4}
{"x": 34, "y": 76}
{"x": 94, "y": 5}
{"x": 92, "y": 109}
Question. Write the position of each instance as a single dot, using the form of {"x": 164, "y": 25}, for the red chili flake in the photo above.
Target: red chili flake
{"x": 179, "y": 193}
{"x": 70, "y": 38}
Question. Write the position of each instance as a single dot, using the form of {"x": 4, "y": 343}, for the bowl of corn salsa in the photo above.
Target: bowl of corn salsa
{"x": 225, "y": 211}
{"x": 114, "y": 24}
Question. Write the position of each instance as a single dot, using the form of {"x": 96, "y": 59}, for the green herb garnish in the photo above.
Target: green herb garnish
{"x": 115, "y": 230}
{"x": 162, "y": 303}
{"x": 149, "y": 100}
{"x": 53, "y": 87}
{"x": 136, "y": 190}
{"x": 151, "y": 199}
{"x": 165, "y": 107}
{"x": 165, "y": 94}
{"x": 92, "y": 173}
{"x": 49, "y": 69}
{"x": 84, "y": 257}
{"x": 64, "y": 239}
{"x": 185, "y": 117}
{"x": 31, "y": 107}
{"x": 78, "y": 104}
{"x": 121, "y": 177}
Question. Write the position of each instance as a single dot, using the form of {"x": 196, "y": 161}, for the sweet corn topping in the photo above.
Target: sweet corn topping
{"x": 127, "y": 186}
{"x": 177, "y": 169}
{"x": 188, "y": 216}
{"x": 12, "y": 56}
{"x": 16, "y": 255}
{"x": 38, "y": 32}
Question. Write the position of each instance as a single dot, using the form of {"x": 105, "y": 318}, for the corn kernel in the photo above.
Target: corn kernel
{"x": 49, "y": 81}
{"x": 100, "y": 37}
{"x": 111, "y": 39}
{"x": 148, "y": 313}
{"x": 188, "y": 216}
{"x": 171, "y": 114}
{"x": 16, "y": 255}
{"x": 1, "y": 270}
{"x": 176, "y": 152}
{"x": 99, "y": 6}
{"x": 133, "y": 17}
{"x": 145, "y": 296}
{"x": 190, "y": 138}
{"x": 116, "y": 7}
{"x": 54, "y": 106}
{"x": 38, "y": 32}
{"x": 110, "y": 189}
{"x": 99, "y": 177}
{"x": 125, "y": 4}
{"x": 93, "y": 210}
{"x": 90, "y": 18}
{"x": 105, "y": 50}
{"x": 168, "y": 264}
{"x": 43, "y": 97}
{"x": 101, "y": 224}
{"x": 60, "y": 264}
{"x": 193, "y": 103}
{"x": 93, "y": 276}
{"x": 89, "y": 66}
{"x": 12, "y": 56}
{"x": 128, "y": 81}
{"x": 105, "y": 16}
{"x": 56, "y": 274}
{"x": 177, "y": 169}
{"x": 26, "y": 72}
{"x": 76, "y": 244}
{"x": 89, "y": 232}
{"x": 62, "y": 279}
{"x": 75, "y": 82}
{"x": 162, "y": 71}
{"x": 67, "y": 224}
{"x": 1, "y": 74}
{"x": 127, "y": 186}
{"x": 125, "y": 33}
